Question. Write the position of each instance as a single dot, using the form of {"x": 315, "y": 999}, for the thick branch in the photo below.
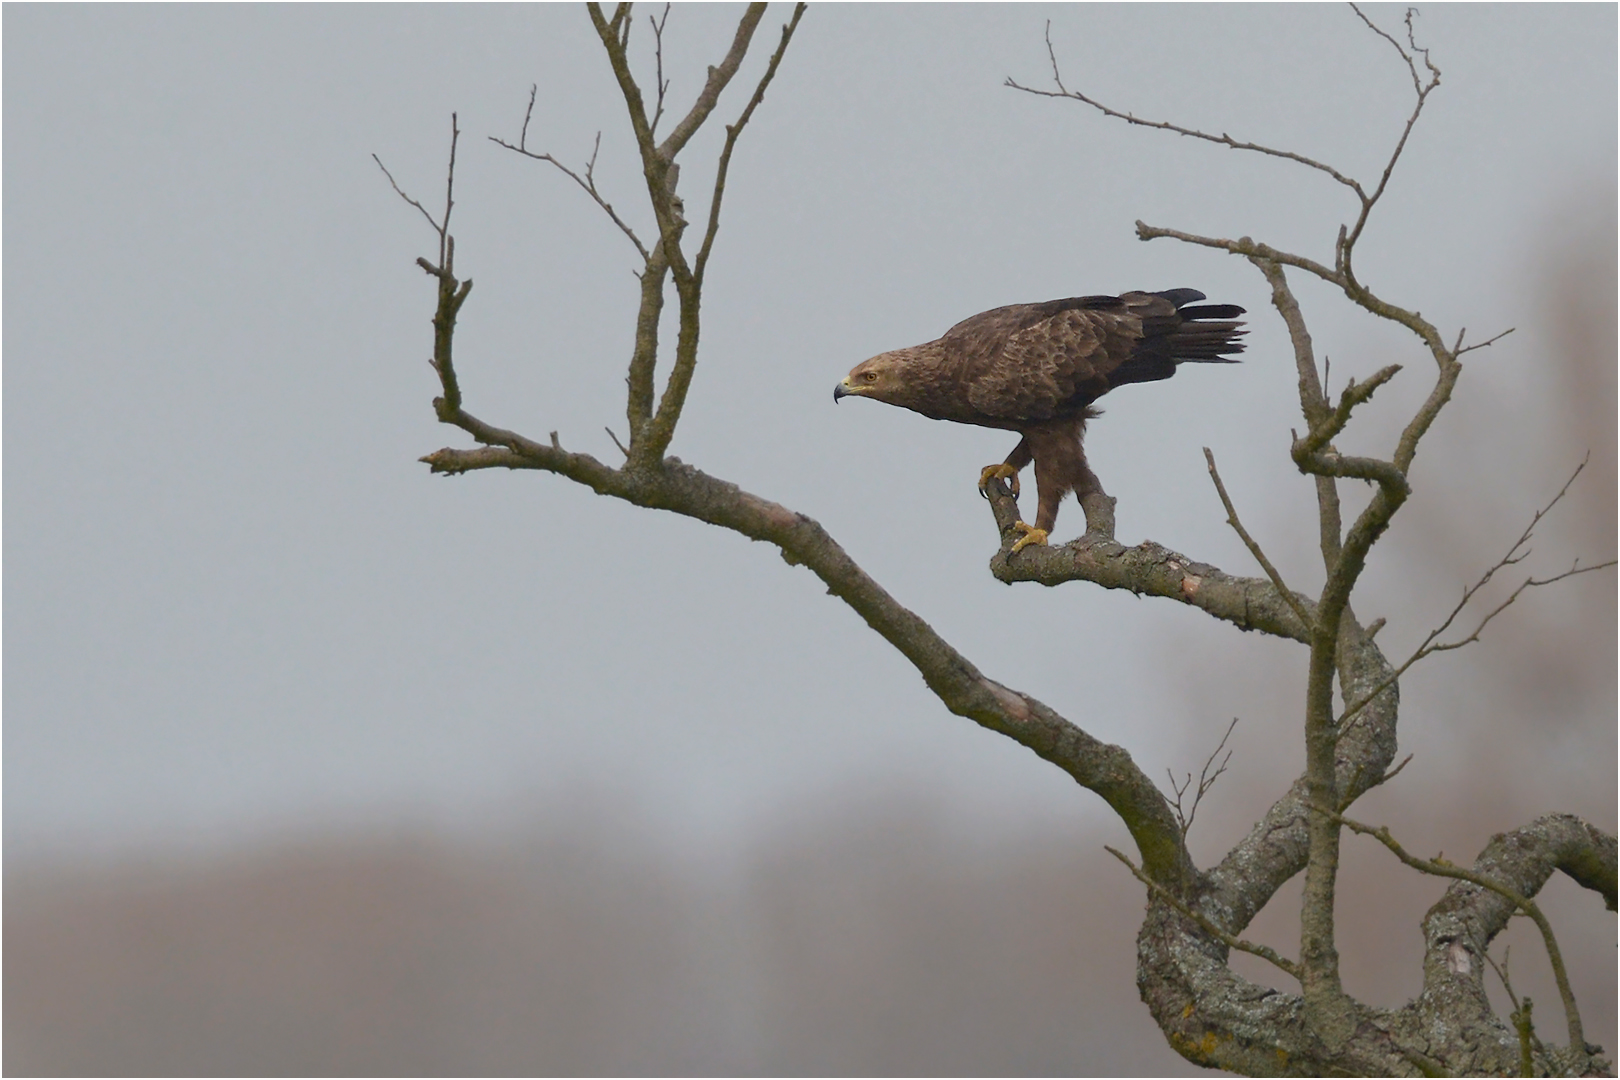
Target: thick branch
{"x": 1107, "y": 770}
{"x": 1511, "y": 870}
{"x": 662, "y": 428}
{"x": 1231, "y": 941}
{"x": 1146, "y": 569}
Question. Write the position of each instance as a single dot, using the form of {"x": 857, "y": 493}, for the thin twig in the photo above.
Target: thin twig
{"x": 523, "y": 133}
{"x": 1206, "y": 780}
{"x": 658, "y": 57}
{"x": 661, "y": 429}
{"x": 587, "y": 182}
{"x": 442, "y": 227}
{"x": 401, "y": 193}
{"x": 447, "y": 245}
{"x": 1347, "y": 241}
{"x": 1264, "y": 952}
{"x": 1222, "y": 139}
{"x": 1517, "y": 553}
{"x": 1247, "y": 247}
{"x": 1460, "y": 348}
{"x": 1521, "y": 1016}
{"x": 1254, "y": 547}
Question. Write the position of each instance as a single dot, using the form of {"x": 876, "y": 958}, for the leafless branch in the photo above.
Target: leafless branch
{"x": 442, "y": 226}
{"x": 658, "y": 57}
{"x": 1459, "y": 348}
{"x": 452, "y": 293}
{"x": 587, "y": 182}
{"x": 1264, "y": 952}
{"x": 523, "y": 133}
{"x": 734, "y": 130}
{"x": 1347, "y": 243}
{"x": 436, "y": 226}
{"x": 1515, "y": 554}
{"x": 661, "y": 429}
{"x": 1341, "y": 273}
{"x": 1313, "y": 402}
{"x": 1206, "y": 780}
{"x": 719, "y": 77}
{"x": 1253, "y": 545}
{"x": 1243, "y": 246}
{"x": 1222, "y": 139}
{"x": 1332, "y": 424}
{"x": 1442, "y": 867}
{"x": 1521, "y": 1015}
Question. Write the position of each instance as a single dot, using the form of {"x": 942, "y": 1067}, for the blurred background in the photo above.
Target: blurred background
{"x": 317, "y": 764}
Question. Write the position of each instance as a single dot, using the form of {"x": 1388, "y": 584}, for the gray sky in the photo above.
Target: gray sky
{"x": 237, "y": 605}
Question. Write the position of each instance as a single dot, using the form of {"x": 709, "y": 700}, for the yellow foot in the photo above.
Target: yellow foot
{"x": 1032, "y": 535}
{"x": 999, "y": 472}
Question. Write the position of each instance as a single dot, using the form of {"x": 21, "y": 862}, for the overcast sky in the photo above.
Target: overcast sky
{"x": 236, "y": 604}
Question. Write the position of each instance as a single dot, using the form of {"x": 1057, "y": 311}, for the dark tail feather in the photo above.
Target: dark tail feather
{"x": 1207, "y": 334}
{"x": 1207, "y": 342}
{"x": 1179, "y": 297}
{"x": 1211, "y": 311}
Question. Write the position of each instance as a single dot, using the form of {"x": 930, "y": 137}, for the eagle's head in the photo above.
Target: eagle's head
{"x": 881, "y": 377}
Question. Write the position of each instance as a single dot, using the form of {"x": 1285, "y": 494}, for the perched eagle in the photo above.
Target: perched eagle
{"x": 1036, "y": 369}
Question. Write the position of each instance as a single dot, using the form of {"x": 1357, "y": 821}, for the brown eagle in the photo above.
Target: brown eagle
{"x": 1036, "y": 369}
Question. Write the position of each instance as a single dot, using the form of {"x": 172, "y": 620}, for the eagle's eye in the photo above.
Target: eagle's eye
{"x": 869, "y": 376}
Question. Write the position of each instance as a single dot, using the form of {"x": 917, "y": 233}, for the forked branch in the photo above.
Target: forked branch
{"x": 1231, "y": 941}
{"x": 1206, "y": 780}
{"x": 1441, "y": 867}
{"x": 441, "y": 226}
{"x": 587, "y": 182}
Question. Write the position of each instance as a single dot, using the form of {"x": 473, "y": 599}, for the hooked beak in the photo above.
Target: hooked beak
{"x": 841, "y": 390}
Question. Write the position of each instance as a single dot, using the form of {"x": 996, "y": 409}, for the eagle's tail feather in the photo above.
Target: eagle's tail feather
{"x": 1207, "y": 342}
{"x": 1206, "y": 334}
{"x": 1179, "y": 297}
{"x": 1211, "y": 311}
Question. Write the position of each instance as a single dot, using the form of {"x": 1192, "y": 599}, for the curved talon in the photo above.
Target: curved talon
{"x": 1032, "y": 535}
{"x": 1002, "y": 471}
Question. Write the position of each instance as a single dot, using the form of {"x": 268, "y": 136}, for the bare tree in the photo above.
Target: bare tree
{"x": 1207, "y": 1011}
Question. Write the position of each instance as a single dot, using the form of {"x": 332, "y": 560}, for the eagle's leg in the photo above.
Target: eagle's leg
{"x": 1056, "y": 472}
{"x": 1021, "y": 455}
{"x": 1008, "y": 470}
{"x": 1097, "y": 504}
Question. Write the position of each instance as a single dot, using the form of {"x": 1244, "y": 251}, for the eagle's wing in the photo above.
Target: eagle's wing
{"x": 1040, "y": 361}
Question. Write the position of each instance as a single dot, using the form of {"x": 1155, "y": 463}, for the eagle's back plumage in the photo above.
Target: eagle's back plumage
{"x": 1040, "y": 362}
